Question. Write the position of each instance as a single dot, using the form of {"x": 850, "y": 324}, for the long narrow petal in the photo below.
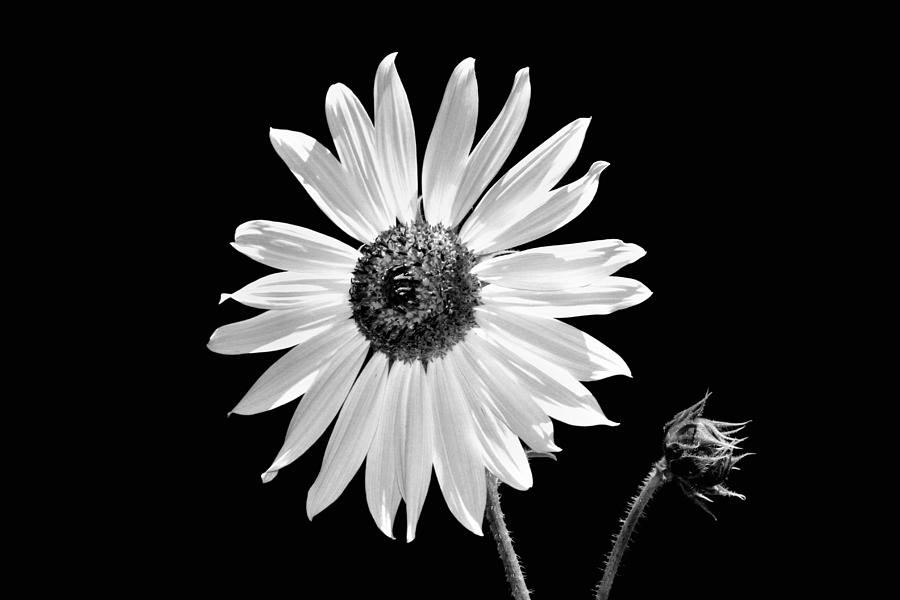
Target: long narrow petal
{"x": 558, "y": 267}
{"x": 547, "y": 213}
{"x": 415, "y": 432}
{"x": 286, "y": 290}
{"x": 601, "y": 298}
{"x": 277, "y": 329}
{"x": 448, "y": 147}
{"x": 499, "y": 388}
{"x": 321, "y": 403}
{"x": 395, "y": 141}
{"x": 293, "y": 248}
{"x": 503, "y": 454}
{"x": 352, "y": 436}
{"x": 494, "y": 147}
{"x": 354, "y": 137}
{"x": 457, "y": 453}
{"x": 382, "y": 479}
{"x": 585, "y": 357}
{"x": 554, "y": 389}
{"x": 295, "y": 372}
{"x": 515, "y": 194}
{"x": 327, "y": 183}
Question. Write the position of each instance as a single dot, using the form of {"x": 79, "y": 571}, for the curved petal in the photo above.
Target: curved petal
{"x": 382, "y": 479}
{"x": 277, "y": 329}
{"x": 548, "y": 213}
{"x": 327, "y": 183}
{"x": 295, "y": 372}
{"x": 352, "y": 436}
{"x": 585, "y": 357}
{"x": 448, "y": 147}
{"x": 518, "y": 191}
{"x": 554, "y": 389}
{"x": 494, "y": 147}
{"x": 601, "y": 298}
{"x": 354, "y": 138}
{"x": 457, "y": 453}
{"x": 497, "y": 386}
{"x": 287, "y": 290}
{"x": 395, "y": 141}
{"x": 558, "y": 267}
{"x": 293, "y": 248}
{"x": 415, "y": 433}
{"x": 321, "y": 403}
{"x": 503, "y": 454}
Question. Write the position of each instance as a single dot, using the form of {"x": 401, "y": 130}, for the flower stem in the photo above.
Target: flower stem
{"x": 654, "y": 480}
{"x": 504, "y": 543}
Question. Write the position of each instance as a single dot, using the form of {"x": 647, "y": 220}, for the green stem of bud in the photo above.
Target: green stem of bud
{"x": 504, "y": 543}
{"x": 654, "y": 480}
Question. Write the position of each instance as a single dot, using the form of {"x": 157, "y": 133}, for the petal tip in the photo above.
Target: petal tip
{"x": 597, "y": 168}
{"x": 335, "y": 92}
{"x": 637, "y": 251}
{"x": 276, "y": 136}
{"x": 311, "y": 510}
{"x": 385, "y": 529}
{"x": 268, "y": 476}
{"x": 467, "y": 64}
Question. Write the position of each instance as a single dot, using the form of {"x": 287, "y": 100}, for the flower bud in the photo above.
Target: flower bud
{"x": 700, "y": 453}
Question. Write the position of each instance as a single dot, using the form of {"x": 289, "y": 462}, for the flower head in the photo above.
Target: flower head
{"x": 432, "y": 344}
{"x": 700, "y": 453}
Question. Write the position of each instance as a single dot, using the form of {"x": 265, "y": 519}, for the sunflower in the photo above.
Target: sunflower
{"x": 433, "y": 344}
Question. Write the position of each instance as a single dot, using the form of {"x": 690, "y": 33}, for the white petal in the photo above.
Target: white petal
{"x": 395, "y": 141}
{"x": 295, "y": 372}
{"x": 457, "y": 453}
{"x": 415, "y": 432}
{"x": 287, "y": 290}
{"x": 503, "y": 454}
{"x": 558, "y": 267}
{"x": 554, "y": 389}
{"x": 352, "y": 436}
{"x": 327, "y": 183}
{"x": 517, "y": 193}
{"x": 607, "y": 295}
{"x": 354, "y": 138}
{"x": 547, "y": 213}
{"x": 321, "y": 403}
{"x": 298, "y": 249}
{"x": 494, "y": 147}
{"x": 498, "y": 387}
{"x": 382, "y": 478}
{"x": 277, "y": 329}
{"x": 448, "y": 147}
{"x": 581, "y": 354}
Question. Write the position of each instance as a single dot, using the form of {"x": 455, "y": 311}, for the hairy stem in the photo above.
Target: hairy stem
{"x": 504, "y": 543}
{"x": 654, "y": 480}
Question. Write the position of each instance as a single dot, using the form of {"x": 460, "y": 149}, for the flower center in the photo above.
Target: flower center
{"x": 412, "y": 293}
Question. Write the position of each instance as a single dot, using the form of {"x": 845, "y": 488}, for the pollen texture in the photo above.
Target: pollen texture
{"x": 412, "y": 292}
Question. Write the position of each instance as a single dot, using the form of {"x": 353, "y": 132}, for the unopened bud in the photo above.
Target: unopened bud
{"x": 700, "y": 453}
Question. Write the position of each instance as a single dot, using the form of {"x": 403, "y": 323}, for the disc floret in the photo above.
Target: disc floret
{"x": 412, "y": 292}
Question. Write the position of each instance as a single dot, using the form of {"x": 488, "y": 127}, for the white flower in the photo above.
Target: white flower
{"x": 430, "y": 346}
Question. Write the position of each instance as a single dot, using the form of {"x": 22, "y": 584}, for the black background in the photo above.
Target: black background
{"x": 686, "y": 122}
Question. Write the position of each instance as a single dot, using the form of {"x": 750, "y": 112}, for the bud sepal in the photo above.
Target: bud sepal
{"x": 700, "y": 453}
